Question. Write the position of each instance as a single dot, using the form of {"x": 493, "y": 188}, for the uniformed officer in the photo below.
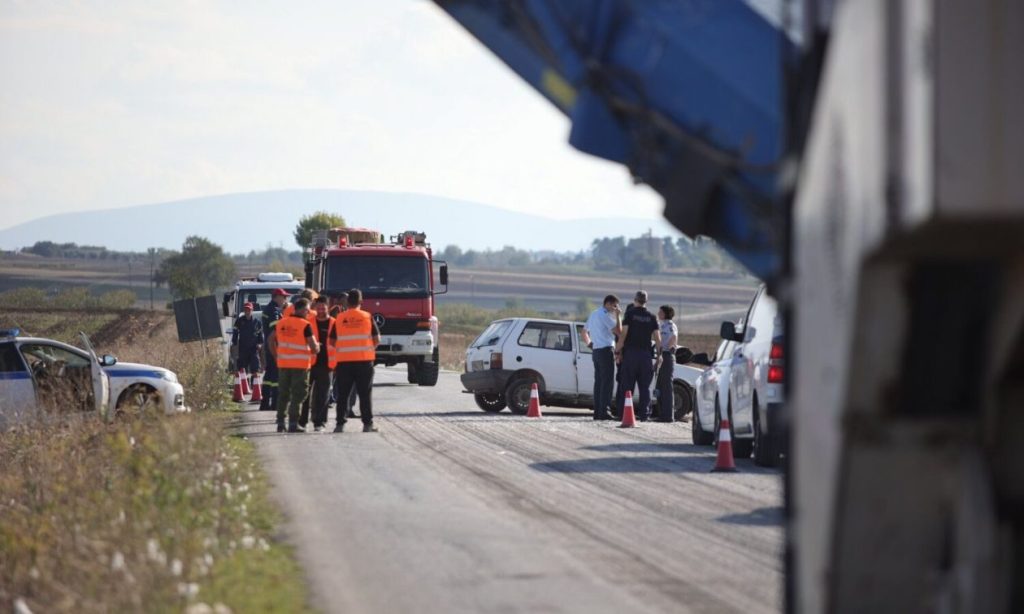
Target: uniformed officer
{"x": 271, "y": 314}
{"x": 355, "y": 341}
{"x": 639, "y": 328}
{"x": 293, "y": 343}
{"x": 247, "y": 337}
{"x": 666, "y": 362}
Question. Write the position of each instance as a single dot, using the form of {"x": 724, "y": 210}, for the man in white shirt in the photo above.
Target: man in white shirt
{"x": 603, "y": 325}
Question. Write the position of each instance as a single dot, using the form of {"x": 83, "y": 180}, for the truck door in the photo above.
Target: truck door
{"x": 546, "y": 347}
{"x": 17, "y": 394}
{"x": 584, "y": 366}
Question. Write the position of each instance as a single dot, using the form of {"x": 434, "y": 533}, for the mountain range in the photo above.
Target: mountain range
{"x": 245, "y": 221}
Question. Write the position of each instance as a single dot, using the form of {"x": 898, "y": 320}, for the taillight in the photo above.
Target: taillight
{"x": 776, "y": 371}
{"x": 496, "y": 362}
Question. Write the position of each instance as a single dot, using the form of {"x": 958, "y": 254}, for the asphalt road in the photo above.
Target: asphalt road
{"x": 449, "y": 509}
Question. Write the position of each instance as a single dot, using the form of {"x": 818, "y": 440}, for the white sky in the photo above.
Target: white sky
{"x": 108, "y": 104}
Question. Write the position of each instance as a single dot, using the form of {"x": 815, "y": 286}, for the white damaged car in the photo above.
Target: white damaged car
{"x": 36, "y": 372}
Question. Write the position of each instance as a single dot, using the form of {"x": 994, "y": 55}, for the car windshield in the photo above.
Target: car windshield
{"x": 492, "y": 334}
{"x": 378, "y": 276}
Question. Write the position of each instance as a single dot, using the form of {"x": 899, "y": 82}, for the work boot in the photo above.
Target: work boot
{"x": 370, "y": 428}
{"x": 339, "y": 427}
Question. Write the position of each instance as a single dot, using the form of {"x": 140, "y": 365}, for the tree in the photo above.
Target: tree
{"x": 321, "y": 220}
{"x": 200, "y": 268}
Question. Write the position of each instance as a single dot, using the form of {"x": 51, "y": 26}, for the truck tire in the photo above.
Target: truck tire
{"x": 427, "y": 372}
{"x": 698, "y": 435}
{"x": 517, "y": 395}
{"x": 490, "y": 403}
{"x": 413, "y": 371}
{"x": 766, "y": 453}
{"x": 682, "y": 402}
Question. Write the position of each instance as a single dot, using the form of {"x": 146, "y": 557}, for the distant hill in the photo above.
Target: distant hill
{"x": 241, "y": 222}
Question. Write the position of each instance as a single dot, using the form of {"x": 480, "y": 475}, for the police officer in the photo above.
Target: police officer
{"x": 247, "y": 338}
{"x": 271, "y": 314}
{"x": 355, "y": 341}
{"x": 639, "y": 328}
{"x": 293, "y": 343}
{"x": 666, "y": 362}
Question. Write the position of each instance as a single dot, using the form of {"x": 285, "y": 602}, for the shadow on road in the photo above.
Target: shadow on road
{"x": 761, "y": 517}
{"x": 620, "y": 464}
{"x": 688, "y": 448}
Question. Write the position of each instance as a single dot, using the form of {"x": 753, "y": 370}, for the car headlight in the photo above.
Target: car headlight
{"x": 169, "y": 376}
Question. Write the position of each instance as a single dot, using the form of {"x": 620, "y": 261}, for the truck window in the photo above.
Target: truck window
{"x": 379, "y": 276}
{"x": 546, "y": 335}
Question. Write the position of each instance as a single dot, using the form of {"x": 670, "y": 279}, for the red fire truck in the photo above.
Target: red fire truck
{"x": 396, "y": 278}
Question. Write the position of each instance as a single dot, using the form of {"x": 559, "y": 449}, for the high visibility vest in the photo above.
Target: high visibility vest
{"x": 354, "y": 331}
{"x": 292, "y": 349}
{"x": 330, "y": 347}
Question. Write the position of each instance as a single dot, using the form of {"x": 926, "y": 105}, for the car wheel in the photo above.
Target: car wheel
{"x": 137, "y": 400}
{"x": 517, "y": 395}
{"x": 765, "y": 452}
{"x": 492, "y": 403}
{"x": 682, "y": 402}
{"x": 699, "y": 436}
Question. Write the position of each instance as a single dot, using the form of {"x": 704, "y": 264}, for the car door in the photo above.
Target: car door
{"x": 752, "y": 355}
{"x": 64, "y": 380}
{"x": 546, "y": 347}
{"x": 17, "y": 393}
{"x": 584, "y": 365}
{"x": 100, "y": 380}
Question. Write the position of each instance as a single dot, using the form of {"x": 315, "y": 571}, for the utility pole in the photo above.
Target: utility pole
{"x": 130, "y": 286}
{"x": 152, "y": 275}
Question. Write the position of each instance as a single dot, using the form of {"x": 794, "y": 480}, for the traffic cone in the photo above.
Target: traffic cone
{"x": 246, "y": 389}
{"x": 257, "y": 388}
{"x": 534, "y": 411}
{"x": 628, "y": 415}
{"x": 236, "y": 394}
{"x": 725, "y": 460}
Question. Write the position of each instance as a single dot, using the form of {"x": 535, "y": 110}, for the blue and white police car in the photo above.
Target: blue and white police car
{"x": 37, "y": 373}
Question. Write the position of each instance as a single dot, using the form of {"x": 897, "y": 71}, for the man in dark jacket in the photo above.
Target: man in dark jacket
{"x": 639, "y": 328}
{"x": 271, "y": 314}
{"x": 247, "y": 337}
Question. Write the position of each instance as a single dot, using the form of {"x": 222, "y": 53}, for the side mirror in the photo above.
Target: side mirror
{"x": 683, "y": 355}
{"x": 107, "y": 360}
{"x": 224, "y": 303}
{"x": 444, "y": 274}
{"x": 728, "y": 331}
{"x": 701, "y": 359}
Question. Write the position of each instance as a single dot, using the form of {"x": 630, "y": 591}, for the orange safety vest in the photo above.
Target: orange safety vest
{"x": 292, "y": 349}
{"x": 354, "y": 331}
{"x": 330, "y": 348}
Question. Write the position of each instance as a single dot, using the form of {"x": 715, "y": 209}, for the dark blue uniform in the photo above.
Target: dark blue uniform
{"x": 637, "y": 365}
{"x": 248, "y": 336}
{"x": 271, "y": 314}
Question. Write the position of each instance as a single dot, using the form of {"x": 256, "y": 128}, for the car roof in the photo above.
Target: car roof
{"x": 42, "y": 340}
{"x": 542, "y": 320}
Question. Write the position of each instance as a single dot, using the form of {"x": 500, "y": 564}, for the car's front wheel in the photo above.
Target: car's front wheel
{"x": 492, "y": 403}
{"x": 517, "y": 395}
{"x": 137, "y": 400}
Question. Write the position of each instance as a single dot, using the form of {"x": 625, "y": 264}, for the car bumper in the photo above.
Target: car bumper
{"x": 487, "y": 381}
{"x": 173, "y": 398}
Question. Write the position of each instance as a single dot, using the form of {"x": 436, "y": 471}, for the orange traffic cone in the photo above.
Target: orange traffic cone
{"x": 246, "y": 390}
{"x": 534, "y": 411}
{"x": 725, "y": 461}
{"x": 257, "y": 388}
{"x": 628, "y": 415}
{"x": 236, "y": 394}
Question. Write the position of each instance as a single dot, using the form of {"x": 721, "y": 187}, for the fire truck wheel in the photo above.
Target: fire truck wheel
{"x": 412, "y": 371}
{"x": 428, "y": 371}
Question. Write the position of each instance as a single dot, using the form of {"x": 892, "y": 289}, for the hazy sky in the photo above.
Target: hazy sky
{"x": 107, "y": 104}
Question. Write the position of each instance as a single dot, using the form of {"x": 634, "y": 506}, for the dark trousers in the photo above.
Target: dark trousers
{"x": 604, "y": 380}
{"x": 360, "y": 376}
{"x": 249, "y": 359}
{"x": 637, "y": 371}
{"x": 666, "y": 402}
{"x": 319, "y": 396}
{"x": 270, "y": 387}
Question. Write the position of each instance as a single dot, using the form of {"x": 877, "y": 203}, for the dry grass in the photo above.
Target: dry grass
{"x": 147, "y": 514}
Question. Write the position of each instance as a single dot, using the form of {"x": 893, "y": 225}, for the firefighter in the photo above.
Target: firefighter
{"x": 355, "y": 340}
{"x": 247, "y": 339}
{"x": 293, "y": 344}
{"x": 272, "y": 313}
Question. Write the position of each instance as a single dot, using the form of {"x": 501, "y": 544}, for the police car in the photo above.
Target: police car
{"x": 37, "y": 372}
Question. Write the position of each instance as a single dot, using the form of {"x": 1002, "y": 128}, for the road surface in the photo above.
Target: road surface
{"x": 449, "y": 509}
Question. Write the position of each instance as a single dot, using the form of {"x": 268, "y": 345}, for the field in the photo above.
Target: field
{"x": 147, "y": 513}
